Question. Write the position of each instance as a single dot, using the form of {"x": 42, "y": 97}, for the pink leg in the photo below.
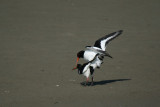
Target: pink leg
{"x": 87, "y": 81}
{"x": 92, "y": 83}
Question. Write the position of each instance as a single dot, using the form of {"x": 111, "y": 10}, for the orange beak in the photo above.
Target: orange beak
{"x": 76, "y": 64}
{"x": 77, "y": 60}
{"x": 74, "y": 68}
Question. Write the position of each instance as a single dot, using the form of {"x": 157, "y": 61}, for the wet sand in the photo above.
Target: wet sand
{"x": 39, "y": 41}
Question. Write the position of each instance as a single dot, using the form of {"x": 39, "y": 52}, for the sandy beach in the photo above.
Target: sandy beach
{"x": 39, "y": 41}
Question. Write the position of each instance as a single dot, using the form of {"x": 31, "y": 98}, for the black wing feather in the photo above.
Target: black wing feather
{"x": 98, "y": 42}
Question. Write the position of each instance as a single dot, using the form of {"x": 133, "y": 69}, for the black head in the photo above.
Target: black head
{"x": 80, "y": 54}
{"x": 79, "y": 66}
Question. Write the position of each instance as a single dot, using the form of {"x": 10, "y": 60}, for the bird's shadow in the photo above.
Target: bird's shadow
{"x": 103, "y": 82}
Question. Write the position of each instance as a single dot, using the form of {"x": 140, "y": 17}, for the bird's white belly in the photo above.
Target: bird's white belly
{"x": 96, "y": 63}
{"x": 86, "y": 73}
{"x": 89, "y": 55}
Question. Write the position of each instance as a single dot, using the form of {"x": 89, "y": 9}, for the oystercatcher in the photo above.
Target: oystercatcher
{"x": 99, "y": 47}
{"x": 88, "y": 68}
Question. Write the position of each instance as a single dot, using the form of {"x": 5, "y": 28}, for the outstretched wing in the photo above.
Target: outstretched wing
{"x": 99, "y": 51}
{"x": 96, "y": 50}
{"x": 102, "y": 42}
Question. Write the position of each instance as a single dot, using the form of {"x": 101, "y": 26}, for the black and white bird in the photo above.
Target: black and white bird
{"x": 87, "y": 69}
{"x": 99, "y": 48}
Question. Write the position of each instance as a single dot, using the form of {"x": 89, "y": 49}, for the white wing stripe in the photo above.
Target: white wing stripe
{"x": 103, "y": 42}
